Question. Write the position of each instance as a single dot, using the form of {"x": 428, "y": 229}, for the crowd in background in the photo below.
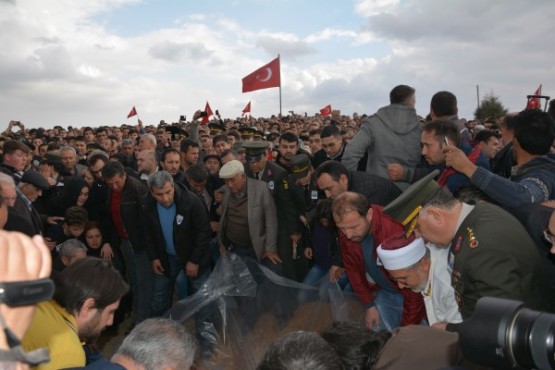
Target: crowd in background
{"x": 302, "y": 195}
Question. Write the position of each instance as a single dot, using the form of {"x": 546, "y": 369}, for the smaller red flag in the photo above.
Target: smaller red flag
{"x": 209, "y": 114}
{"x": 534, "y": 103}
{"x": 132, "y": 113}
{"x": 247, "y": 109}
{"x": 326, "y": 111}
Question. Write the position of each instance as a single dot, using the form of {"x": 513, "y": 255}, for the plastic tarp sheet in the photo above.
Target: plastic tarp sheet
{"x": 244, "y": 307}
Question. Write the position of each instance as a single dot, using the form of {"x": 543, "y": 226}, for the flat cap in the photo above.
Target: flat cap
{"x": 231, "y": 169}
{"x": 35, "y": 178}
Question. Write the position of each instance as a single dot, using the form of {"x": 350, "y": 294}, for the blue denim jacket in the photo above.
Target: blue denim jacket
{"x": 532, "y": 182}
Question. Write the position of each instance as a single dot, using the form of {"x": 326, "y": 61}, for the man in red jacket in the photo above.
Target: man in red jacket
{"x": 361, "y": 229}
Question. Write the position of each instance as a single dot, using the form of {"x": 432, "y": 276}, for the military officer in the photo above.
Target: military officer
{"x": 490, "y": 252}
{"x": 290, "y": 227}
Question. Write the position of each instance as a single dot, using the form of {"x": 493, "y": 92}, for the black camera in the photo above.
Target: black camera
{"x": 182, "y": 118}
{"x": 203, "y": 114}
{"x": 504, "y": 334}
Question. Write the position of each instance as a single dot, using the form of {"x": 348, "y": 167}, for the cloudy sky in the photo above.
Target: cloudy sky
{"x": 88, "y": 62}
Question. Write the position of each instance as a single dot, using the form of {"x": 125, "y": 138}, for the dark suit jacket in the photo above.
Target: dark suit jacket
{"x": 378, "y": 190}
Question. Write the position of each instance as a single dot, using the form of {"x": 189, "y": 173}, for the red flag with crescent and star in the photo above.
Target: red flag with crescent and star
{"x": 326, "y": 111}
{"x": 263, "y": 78}
{"x": 132, "y": 113}
{"x": 247, "y": 109}
{"x": 209, "y": 114}
{"x": 534, "y": 103}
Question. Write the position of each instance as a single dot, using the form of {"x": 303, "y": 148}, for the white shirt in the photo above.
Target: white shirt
{"x": 439, "y": 295}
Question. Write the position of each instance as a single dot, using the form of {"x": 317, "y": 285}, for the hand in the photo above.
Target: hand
{"x": 440, "y": 325}
{"x": 272, "y": 256}
{"x": 53, "y": 220}
{"x": 308, "y": 253}
{"x": 223, "y": 249}
{"x": 196, "y": 115}
{"x": 395, "y": 172}
{"x": 295, "y": 238}
{"x": 50, "y": 243}
{"x": 218, "y": 196}
{"x": 303, "y": 219}
{"x": 335, "y": 273}
{"x": 191, "y": 270}
{"x": 157, "y": 267}
{"x": 372, "y": 318}
{"x": 51, "y": 181}
{"x": 456, "y": 159}
{"x": 106, "y": 252}
{"x": 215, "y": 226}
{"x": 21, "y": 259}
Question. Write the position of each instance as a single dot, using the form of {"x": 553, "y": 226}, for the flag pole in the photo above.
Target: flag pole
{"x": 279, "y": 85}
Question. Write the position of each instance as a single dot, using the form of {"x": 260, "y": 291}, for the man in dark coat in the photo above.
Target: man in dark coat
{"x": 289, "y": 225}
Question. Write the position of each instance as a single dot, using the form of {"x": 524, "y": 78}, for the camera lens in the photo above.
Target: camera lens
{"x": 504, "y": 334}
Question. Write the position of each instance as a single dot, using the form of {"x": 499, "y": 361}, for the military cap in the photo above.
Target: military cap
{"x": 216, "y": 128}
{"x": 93, "y": 146}
{"x": 52, "y": 158}
{"x": 247, "y": 131}
{"x": 255, "y": 150}
{"x": 35, "y": 178}
{"x": 231, "y": 169}
{"x": 406, "y": 207}
{"x": 300, "y": 165}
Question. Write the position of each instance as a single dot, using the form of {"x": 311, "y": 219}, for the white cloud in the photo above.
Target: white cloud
{"x": 57, "y": 65}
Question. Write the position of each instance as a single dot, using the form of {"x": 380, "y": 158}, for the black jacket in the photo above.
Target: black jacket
{"x": 133, "y": 192}
{"x": 377, "y": 189}
{"x": 191, "y": 230}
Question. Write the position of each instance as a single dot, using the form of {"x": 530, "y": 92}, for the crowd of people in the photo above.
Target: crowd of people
{"x": 419, "y": 217}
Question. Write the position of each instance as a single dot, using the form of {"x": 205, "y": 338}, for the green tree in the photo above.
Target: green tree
{"x": 490, "y": 107}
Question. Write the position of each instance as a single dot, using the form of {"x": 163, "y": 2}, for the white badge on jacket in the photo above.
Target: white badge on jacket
{"x": 179, "y": 219}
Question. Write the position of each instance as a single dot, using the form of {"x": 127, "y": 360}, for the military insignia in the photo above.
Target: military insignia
{"x": 458, "y": 244}
{"x": 269, "y": 172}
{"x": 473, "y": 241}
{"x": 179, "y": 219}
{"x": 456, "y": 282}
{"x": 314, "y": 194}
{"x": 285, "y": 184}
{"x": 451, "y": 262}
{"x": 271, "y": 185}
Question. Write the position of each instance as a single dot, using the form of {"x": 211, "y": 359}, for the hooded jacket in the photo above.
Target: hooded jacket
{"x": 391, "y": 135}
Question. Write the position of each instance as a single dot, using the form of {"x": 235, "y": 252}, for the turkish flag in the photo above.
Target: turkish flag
{"x": 247, "y": 109}
{"x": 534, "y": 103}
{"x": 326, "y": 111}
{"x": 209, "y": 114}
{"x": 132, "y": 113}
{"x": 263, "y": 78}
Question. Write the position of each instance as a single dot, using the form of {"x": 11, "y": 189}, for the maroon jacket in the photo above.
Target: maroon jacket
{"x": 383, "y": 227}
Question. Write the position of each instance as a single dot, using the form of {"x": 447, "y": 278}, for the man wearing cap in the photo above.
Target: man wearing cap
{"x": 248, "y": 224}
{"x": 362, "y": 227}
{"x": 490, "y": 252}
{"x": 289, "y": 227}
{"x": 30, "y": 187}
{"x": 422, "y": 269}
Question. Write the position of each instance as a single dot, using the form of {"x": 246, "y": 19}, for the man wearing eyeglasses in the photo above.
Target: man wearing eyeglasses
{"x": 490, "y": 253}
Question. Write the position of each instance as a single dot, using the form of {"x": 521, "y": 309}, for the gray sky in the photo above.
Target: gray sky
{"x": 88, "y": 62}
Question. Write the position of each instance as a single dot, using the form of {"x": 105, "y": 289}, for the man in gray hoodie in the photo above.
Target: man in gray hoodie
{"x": 391, "y": 135}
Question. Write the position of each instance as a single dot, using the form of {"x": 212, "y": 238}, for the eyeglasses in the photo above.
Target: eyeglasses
{"x": 548, "y": 236}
